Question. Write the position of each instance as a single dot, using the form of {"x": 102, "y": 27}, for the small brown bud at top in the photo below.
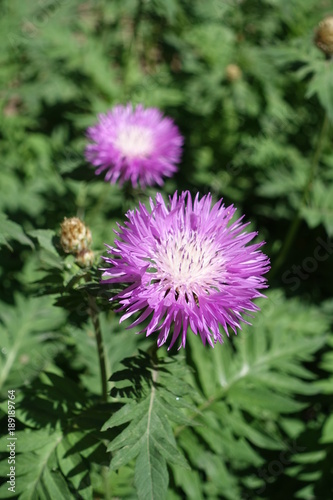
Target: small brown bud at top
{"x": 13, "y": 106}
{"x": 85, "y": 258}
{"x": 233, "y": 72}
{"x": 324, "y": 36}
{"x": 75, "y": 236}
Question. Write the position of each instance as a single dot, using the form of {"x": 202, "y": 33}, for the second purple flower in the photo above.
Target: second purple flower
{"x": 137, "y": 145}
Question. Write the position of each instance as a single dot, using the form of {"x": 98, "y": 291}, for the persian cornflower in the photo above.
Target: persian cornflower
{"x": 137, "y": 145}
{"x": 186, "y": 265}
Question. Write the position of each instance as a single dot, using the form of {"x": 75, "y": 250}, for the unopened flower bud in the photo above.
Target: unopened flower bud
{"x": 233, "y": 72}
{"x": 324, "y": 36}
{"x": 85, "y": 258}
{"x": 75, "y": 236}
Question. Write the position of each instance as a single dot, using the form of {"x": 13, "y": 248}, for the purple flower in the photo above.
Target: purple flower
{"x": 137, "y": 145}
{"x": 186, "y": 264}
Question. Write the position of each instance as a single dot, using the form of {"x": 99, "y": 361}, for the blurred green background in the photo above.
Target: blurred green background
{"x": 253, "y": 97}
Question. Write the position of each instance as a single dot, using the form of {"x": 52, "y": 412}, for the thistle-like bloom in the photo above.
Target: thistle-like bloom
{"x": 186, "y": 265}
{"x": 137, "y": 145}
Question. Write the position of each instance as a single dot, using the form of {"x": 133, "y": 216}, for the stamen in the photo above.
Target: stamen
{"x": 135, "y": 141}
{"x": 186, "y": 262}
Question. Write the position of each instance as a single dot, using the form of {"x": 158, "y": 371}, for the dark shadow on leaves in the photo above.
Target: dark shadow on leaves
{"x": 137, "y": 374}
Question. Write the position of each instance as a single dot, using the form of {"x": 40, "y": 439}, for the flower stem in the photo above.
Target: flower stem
{"x": 132, "y": 45}
{"x": 93, "y": 312}
{"x": 293, "y": 228}
{"x": 106, "y": 475}
{"x": 152, "y": 352}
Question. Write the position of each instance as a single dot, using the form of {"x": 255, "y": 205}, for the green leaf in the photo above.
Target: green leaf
{"x": 247, "y": 385}
{"x": 30, "y": 340}
{"x": 122, "y": 416}
{"x": 190, "y": 481}
{"x": 55, "y": 456}
{"x": 151, "y": 473}
{"x": 320, "y": 208}
{"x": 10, "y": 230}
{"x": 55, "y": 485}
{"x": 321, "y": 85}
{"x": 253, "y": 398}
{"x": 73, "y": 466}
{"x": 45, "y": 239}
{"x": 148, "y": 437}
{"x": 327, "y": 434}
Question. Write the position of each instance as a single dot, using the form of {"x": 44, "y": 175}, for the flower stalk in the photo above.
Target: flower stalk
{"x": 94, "y": 315}
{"x": 76, "y": 239}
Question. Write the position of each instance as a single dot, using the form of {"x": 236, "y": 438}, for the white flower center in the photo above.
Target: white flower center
{"x": 134, "y": 140}
{"x": 188, "y": 265}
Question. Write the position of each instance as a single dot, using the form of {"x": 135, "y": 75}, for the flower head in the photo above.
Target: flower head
{"x": 233, "y": 72}
{"x": 324, "y": 36}
{"x": 137, "y": 145}
{"x": 186, "y": 264}
{"x": 75, "y": 236}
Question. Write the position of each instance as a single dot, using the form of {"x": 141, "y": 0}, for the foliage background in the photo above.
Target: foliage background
{"x": 251, "y": 418}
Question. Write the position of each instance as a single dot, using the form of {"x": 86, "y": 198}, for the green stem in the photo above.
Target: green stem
{"x": 293, "y": 228}
{"x": 132, "y": 44}
{"x": 93, "y": 312}
{"x": 106, "y": 476}
{"x": 137, "y": 20}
